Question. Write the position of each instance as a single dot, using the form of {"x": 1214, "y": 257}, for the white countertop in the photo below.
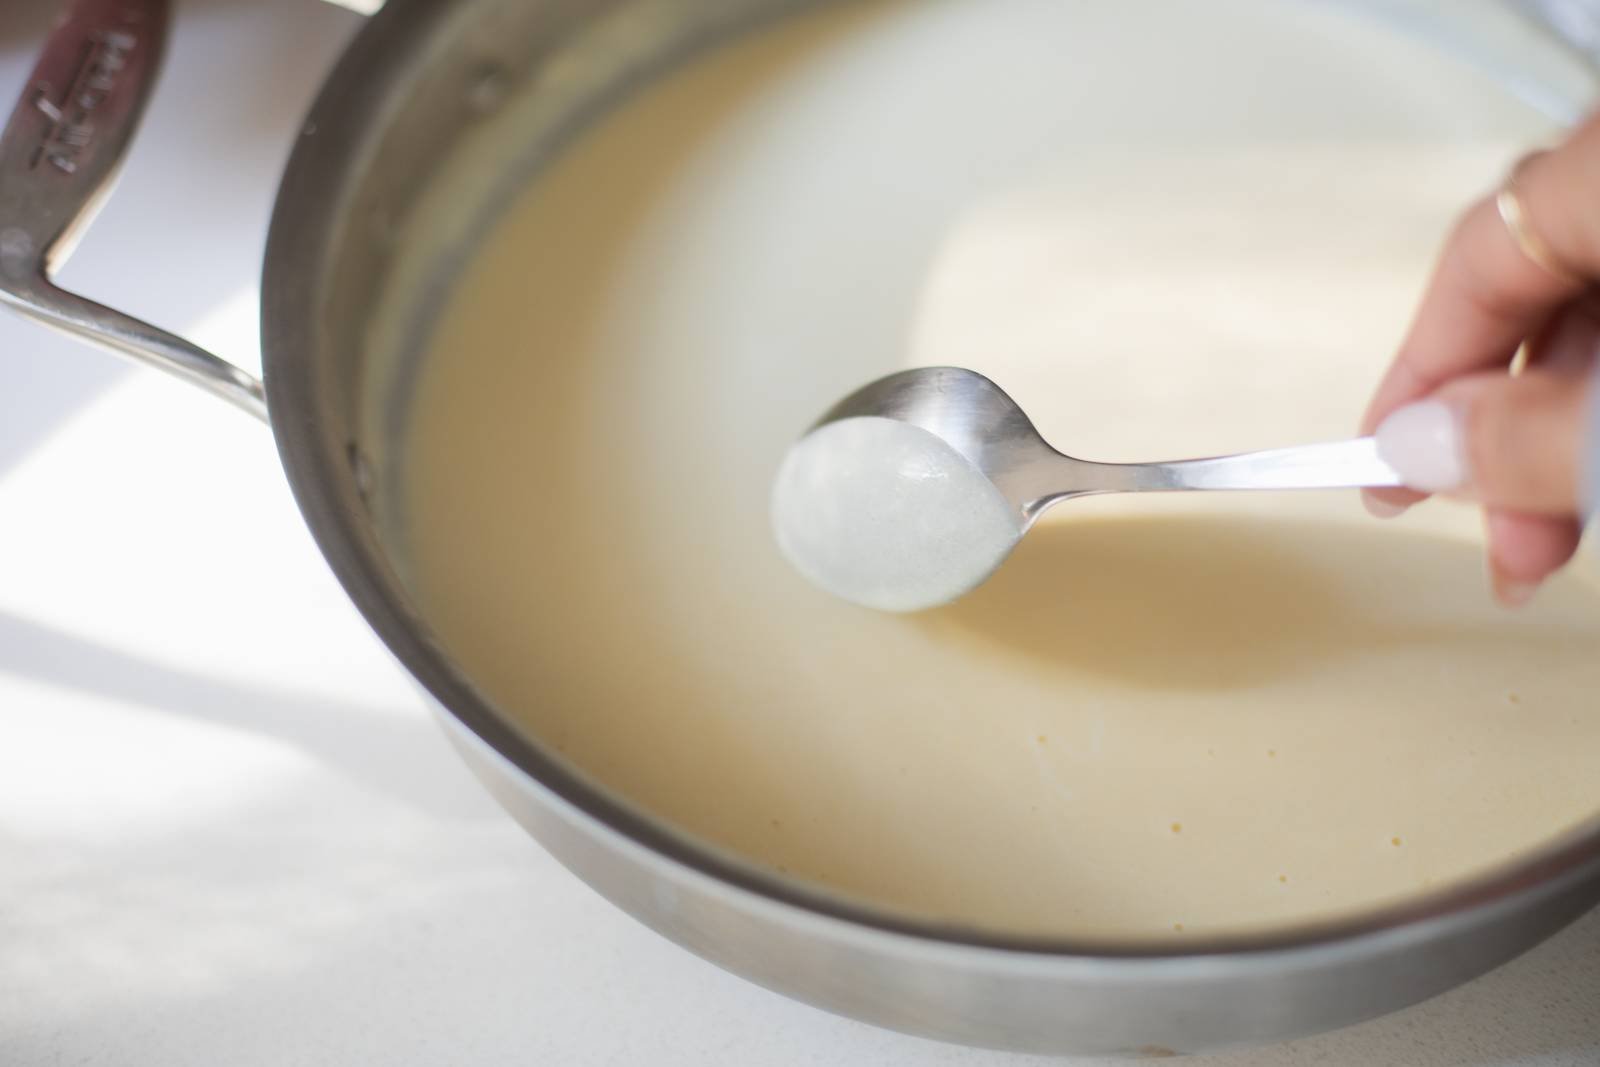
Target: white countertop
{"x": 229, "y": 832}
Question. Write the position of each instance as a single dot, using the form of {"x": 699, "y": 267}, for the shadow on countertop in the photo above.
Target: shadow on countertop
{"x": 402, "y": 756}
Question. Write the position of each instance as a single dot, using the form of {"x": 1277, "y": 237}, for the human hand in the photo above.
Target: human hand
{"x": 1452, "y": 420}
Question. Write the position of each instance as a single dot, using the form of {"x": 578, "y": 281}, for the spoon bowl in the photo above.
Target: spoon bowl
{"x": 979, "y": 420}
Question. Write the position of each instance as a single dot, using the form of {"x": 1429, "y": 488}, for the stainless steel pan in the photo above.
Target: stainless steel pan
{"x": 416, "y": 80}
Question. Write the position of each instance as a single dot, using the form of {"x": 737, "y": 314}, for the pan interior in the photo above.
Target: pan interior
{"x": 1163, "y": 717}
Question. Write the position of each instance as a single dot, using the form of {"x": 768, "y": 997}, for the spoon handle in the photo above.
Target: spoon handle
{"x": 1334, "y": 465}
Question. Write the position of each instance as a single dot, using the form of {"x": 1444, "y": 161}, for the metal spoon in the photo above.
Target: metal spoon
{"x": 876, "y": 542}
{"x": 975, "y": 417}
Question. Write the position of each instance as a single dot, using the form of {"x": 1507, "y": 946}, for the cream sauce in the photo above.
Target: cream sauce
{"x": 1177, "y": 714}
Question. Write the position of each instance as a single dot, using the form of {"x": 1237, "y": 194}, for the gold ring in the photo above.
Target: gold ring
{"x": 1515, "y": 217}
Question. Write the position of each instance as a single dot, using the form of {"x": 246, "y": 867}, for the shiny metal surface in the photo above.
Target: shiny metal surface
{"x": 408, "y": 91}
{"x": 979, "y": 420}
{"x": 58, "y": 157}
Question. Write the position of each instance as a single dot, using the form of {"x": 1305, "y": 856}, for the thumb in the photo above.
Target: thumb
{"x": 1510, "y": 442}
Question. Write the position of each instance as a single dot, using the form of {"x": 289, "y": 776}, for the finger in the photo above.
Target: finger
{"x": 1487, "y": 295}
{"x": 1526, "y": 549}
{"x": 1566, "y": 346}
{"x": 1471, "y": 317}
{"x": 1484, "y": 299}
{"x": 1568, "y": 343}
{"x": 1512, "y": 443}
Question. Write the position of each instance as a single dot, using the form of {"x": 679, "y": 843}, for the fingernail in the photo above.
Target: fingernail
{"x": 1380, "y": 508}
{"x": 1512, "y": 593}
{"x": 1423, "y": 443}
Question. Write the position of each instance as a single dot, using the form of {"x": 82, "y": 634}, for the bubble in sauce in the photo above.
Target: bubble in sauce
{"x": 888, "y": 515}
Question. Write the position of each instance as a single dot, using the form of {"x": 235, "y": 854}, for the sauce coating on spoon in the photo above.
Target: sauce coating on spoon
{"x": 888, "y": 515}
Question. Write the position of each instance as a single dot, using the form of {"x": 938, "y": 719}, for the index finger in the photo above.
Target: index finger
{"x": 1487, "y": 294}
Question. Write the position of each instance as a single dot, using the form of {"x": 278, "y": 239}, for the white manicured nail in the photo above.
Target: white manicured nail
{"x": 1514, "y": 594}
{"x": 1381, "y": 509}
{"x": 1424, "y": 443}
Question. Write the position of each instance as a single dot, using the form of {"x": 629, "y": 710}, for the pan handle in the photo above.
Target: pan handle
{"x": 59, "y": 157}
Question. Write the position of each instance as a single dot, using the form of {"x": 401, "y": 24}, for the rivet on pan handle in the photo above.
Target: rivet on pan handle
{"x": 59, "y": 156}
